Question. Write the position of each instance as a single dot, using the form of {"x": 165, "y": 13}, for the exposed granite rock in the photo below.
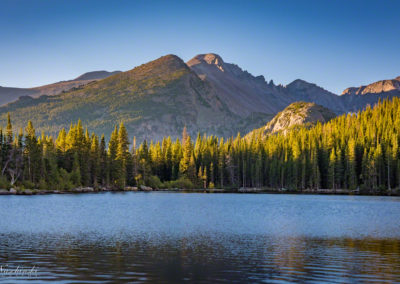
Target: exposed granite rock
{"x": 296, "y": 114}
{"x": 130, "y": 188}
{"x": 145, "y": 188}
{"x": 4, "y": 192}
{"x": 83, "y": 189}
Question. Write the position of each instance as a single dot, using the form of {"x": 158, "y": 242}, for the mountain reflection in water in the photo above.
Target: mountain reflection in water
{"x": 71, "y": 243}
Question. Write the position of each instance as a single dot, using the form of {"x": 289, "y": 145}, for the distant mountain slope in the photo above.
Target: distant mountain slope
{"x": 154, "y": 100}
{"x": 300, "y": 90}
{"x": 8, "y": 94}
{"x": 296, "y": 114}
{"x": 375, "y": 88}
{"x": 356, "y": 98}
{"x": 96, "y": 75}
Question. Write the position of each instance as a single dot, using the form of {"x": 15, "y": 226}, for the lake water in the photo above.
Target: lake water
{"x": 178, "y": 237}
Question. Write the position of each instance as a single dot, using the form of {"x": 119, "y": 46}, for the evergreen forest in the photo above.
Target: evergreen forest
{"x": 355, "y": 151}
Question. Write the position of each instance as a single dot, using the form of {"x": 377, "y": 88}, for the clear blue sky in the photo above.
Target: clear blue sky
{"x": 335, "y": 44}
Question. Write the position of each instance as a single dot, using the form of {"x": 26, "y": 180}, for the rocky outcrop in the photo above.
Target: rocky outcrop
{"x": 145, "y": 188}
{"x": 83, "y": 189}
{"x": 130, "y": 188}
{"x": 296, "y": 114}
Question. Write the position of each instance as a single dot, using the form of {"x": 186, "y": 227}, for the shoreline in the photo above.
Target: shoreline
{"x": 81, "y": 190}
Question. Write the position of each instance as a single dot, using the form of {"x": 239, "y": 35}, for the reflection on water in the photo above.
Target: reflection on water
{"x": 204, "y": 258}
{"x": 232, "y": 238}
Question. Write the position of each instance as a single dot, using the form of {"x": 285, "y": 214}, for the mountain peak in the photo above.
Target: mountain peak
{"x": 208, "y": 58}
{"x": 299, "y": 83}
{"x": 162, "y": 66}
{"x": 212, "y": 58}
{"x": 238, "y": 89}
{"x": 170, "y": 59}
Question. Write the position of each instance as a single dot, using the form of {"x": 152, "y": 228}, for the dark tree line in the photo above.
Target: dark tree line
{"x": 359, "y": 150}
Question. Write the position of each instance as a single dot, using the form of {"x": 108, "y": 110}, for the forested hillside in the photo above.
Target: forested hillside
{"x": 351, "y": 151}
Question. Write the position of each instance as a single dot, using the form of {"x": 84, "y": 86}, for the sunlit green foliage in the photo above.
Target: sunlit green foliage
{"x": 349, "y": 152}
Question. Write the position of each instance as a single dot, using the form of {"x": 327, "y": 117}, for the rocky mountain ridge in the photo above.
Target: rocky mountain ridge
{"x": 375, "y": 88}
{"x": 241, "y": 91}
{"x": 160, "y": 97}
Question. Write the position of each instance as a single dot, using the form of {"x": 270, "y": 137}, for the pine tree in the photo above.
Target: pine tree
{"x": 122, "y": 155}
{"x": 104, "y": 169}
{"x": 187, "y": 156}
{"x": 94, "y": 161}
{"x": 114, "y": 167}
{"x": 32, "y": 154}
{"x": 76, "y": 173}
{"x": 9, "y": 131}
{"x": 135, "y": 161}
{"x": 191, "y": 170}
{"x": 351, "y": 164}
{"x": 332, "y": 170}
{"x": 184, "y": 135}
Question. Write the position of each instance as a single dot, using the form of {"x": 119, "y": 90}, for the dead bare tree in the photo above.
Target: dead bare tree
{"x": 14, "y": 164}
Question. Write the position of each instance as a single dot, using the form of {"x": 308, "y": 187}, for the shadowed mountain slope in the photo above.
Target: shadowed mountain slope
{"x": 242, "y": 92}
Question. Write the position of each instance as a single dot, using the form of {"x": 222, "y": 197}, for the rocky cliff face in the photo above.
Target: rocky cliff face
{"x": 296, "y": 114}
